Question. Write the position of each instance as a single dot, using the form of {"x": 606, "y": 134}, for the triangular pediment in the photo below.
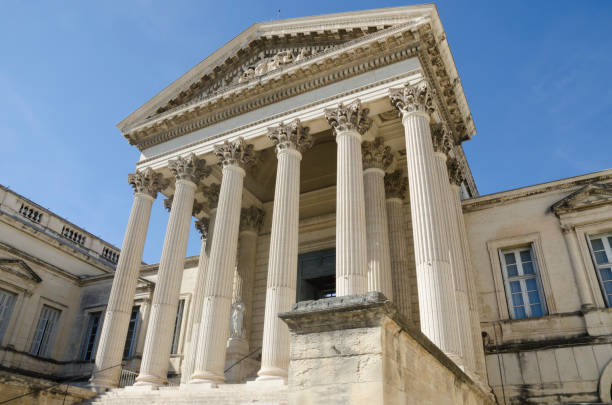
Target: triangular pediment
{"x": 20, "y": 269}
{"x": 590, "y": 196}
{"x": 267, "y": 47}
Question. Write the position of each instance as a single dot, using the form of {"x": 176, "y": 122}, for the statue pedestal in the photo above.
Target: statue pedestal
{"x": 238, "y": 366}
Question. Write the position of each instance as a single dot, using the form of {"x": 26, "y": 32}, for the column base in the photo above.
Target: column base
{"x": 272, "y": 375}
{"x": 149, "y": 381}
{"x": 206, "y": 377}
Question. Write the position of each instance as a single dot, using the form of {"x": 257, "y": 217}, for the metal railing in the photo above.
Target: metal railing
{"x": 127, "y": 378}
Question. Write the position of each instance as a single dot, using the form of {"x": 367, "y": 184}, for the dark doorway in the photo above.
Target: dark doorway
{"x": 316, "y": 275}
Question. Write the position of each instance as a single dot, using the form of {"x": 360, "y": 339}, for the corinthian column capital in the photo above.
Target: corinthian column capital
{"x": 147, "y": 182}
{"x": 350, "y": 117}
{"x": 189, "y": 168}
{"x": 202, "y": 226}
{"x": 440, "y": 137}
{"x": 235, "y": 153}
{"x": 376, "y": 154}
{"x": 168, "y": 203}
{"x": 251, "y": 218}
{"x": 455, "y": 172}
{"x": 211, "y": 193}
{"x": 413, "y": 98}
{"x": 290, "y": 136}
{"x": 396, "y": 185}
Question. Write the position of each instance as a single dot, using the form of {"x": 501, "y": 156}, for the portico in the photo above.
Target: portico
{"x": 317, "y": 147}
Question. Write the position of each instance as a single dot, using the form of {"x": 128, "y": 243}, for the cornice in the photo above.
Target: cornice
{"x": 276, "y": 116}
{"x": 372, "y": 51}
{"x": 309, "y": 29}
{"x": 504, "y": 197}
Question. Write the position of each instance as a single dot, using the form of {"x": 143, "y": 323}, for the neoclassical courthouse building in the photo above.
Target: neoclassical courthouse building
{"x": 346, "y": 257}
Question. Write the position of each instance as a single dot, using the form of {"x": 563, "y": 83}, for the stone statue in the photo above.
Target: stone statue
{"x": 237, "y": 330}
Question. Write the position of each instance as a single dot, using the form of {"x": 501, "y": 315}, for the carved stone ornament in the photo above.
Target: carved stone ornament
{"x": 147, "y": 182}
{"x": 251, "y": 219}
{"x": 168, "y": 203}
{"x": 202, "y": 226}
{"x": 290, "y": 136}
{"x": 455, "y": 172}
{"x": 211, "y": 193}
{"x": 376, "y": 154}
{"x": 235, "y": 153}
{"x": 200, "y": 208}
{"x": 396, "y": 185}
{"x": 189, "y": 168}
{"x": 350, "y": 117}
{"x": 413, "y": 98}
{"x": 441, "y": 139}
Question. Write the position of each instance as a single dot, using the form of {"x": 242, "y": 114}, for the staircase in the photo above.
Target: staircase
{"x": 225, "y": 394}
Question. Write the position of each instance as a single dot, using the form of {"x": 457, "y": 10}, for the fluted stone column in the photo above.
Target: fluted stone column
{"x": 456, "y": 176}
{"x": 251, "y": 220}
{"x": 216, "y": 310}
{"x": 432, "y": 251}
{"x": 107, "y": 368}
{"x": 349, "y": 123}
{"x": 442, "y": 145}
{"x": 376, "y": 159}
{"x": 206, "y": 227}
{"x": 395, "y": 192}
{"x": 586, "y": 298}
{"x": 154, "y": 366}
{"x": 291, "y": 140}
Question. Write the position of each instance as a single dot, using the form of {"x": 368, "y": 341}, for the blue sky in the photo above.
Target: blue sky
{"x": 536, "y": 76}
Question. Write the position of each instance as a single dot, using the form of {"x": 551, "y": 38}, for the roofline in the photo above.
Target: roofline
{"x": 245, "y": 36}
{"x": 487, "y": 200}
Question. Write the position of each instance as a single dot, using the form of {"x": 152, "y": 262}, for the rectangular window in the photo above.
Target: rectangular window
{"x": 177, "y": 327}
{"x": 92, "y": 331}
{"x": 130, "y": 339}
{"x": 601, "y": 249}
{"x": 45, "y": 332}
{"x": 7, "y": 303}
{"x": 523, "y": 287}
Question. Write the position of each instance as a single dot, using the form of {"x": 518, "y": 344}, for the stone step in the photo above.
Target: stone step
{"x": 225, "y": 394}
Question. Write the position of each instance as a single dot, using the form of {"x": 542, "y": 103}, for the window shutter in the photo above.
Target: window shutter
{"x": 7, "y": 303}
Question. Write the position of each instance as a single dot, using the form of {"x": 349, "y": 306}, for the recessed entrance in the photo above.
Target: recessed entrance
{"x": 316, "y": 275}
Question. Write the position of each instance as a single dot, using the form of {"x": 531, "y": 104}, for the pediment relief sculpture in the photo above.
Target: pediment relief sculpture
{"x": 590, "y": 196}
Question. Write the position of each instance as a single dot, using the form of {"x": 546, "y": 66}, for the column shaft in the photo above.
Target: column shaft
{"x": 156, "y": 354}
{"x": 432, "y": 252}
{"x": 107, "y": 368}
{"x": 216, "y": 310}
{"x": 479, "y": 357}
{"x": 399, "y": 257}
{"x": 457, "y": 263}
{"x": 377, "y": 231}
{"x": 282, "y": 267}
{"x": 198, "y": 298}
{"x": 351, "y": 251}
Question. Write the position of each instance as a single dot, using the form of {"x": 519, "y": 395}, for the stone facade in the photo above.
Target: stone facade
{"x": 322, "y": 160}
